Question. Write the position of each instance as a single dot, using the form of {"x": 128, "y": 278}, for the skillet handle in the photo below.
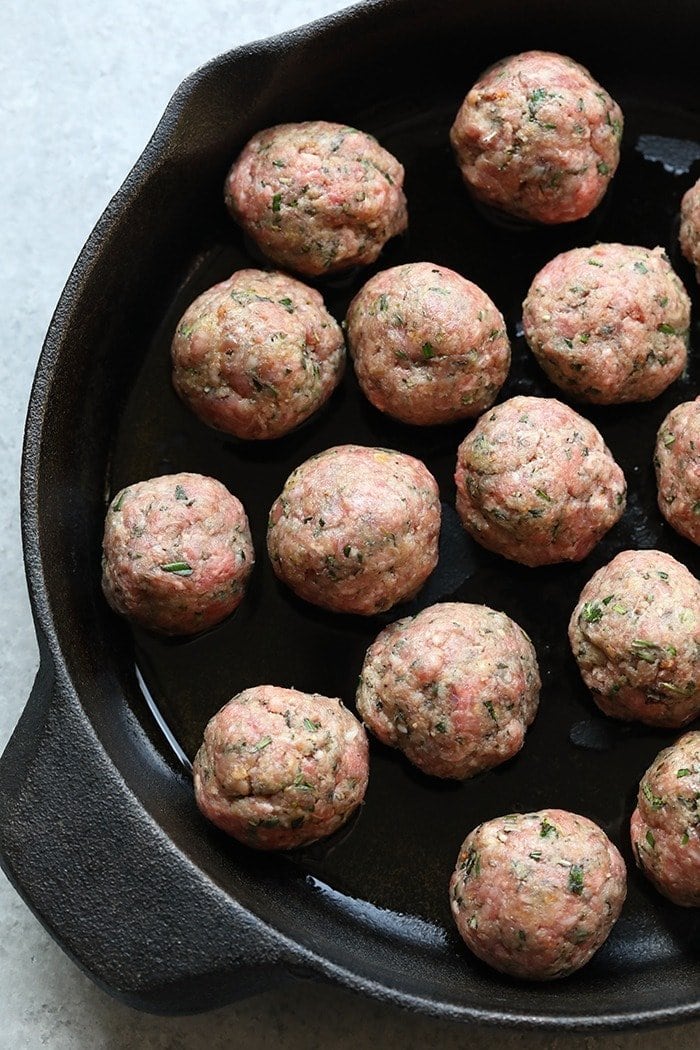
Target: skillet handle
{"x": 107, "y": 882}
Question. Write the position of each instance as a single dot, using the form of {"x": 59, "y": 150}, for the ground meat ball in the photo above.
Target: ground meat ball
{"x": 428, "y": 345}
{"x": 454, "y": 688}
{"x": 690, "y": 227}
{"x": 279, "y": 768}
{"x": 610, "y": 323}
{"x": 356, "y": 529}
{"x": 635, "y": 633}
{"x": 535, "y": 895}
{"x": 538, "y": 138}
{"x": 317, "y": 197}
{"x": 665, "y": 826}
{"x": 177, "y": 553}
{"x": 536, "y": 483}
{"x": 257, "y": 354}
{"x": 677, "y": 463}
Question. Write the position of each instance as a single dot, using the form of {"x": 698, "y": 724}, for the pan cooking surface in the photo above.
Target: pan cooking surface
{"x": 390, "y": 868}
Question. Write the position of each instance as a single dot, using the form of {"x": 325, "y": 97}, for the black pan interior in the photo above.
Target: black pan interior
{"x": 373, "y": 900}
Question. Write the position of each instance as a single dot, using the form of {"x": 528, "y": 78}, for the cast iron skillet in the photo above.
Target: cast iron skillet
{"x": 99, "y": 831}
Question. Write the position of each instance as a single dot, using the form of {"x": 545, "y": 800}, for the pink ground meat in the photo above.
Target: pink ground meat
{"x": 535, "y": 895}
{"x": 635, "y": 633}
{"x": 257, "y": 354}
{"x": 356, "y": 529}
{"x": 317, "y": 197}
{"x": 609, "y": 324}
{"x": 428, "y": 346}
{"x": 689, "y": 235}
{"x": 279, "y": 768}
{"x": 536, "y": 482}
{"x": 454, "y": 688}
{"x": 677, "y": 463}
{"x": 665, "y": 826}
{"x": 538, "y": 138}
{"x": 177, "y": 553}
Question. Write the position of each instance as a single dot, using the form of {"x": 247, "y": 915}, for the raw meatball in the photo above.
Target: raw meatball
{"x": 428, "y": 345}
{"x": 535, "y": 895}
{"x": 610, "y": 323}
{"x": 665, "y": 826}
{"x": 454, "y": 688}
{"x": 279, "y": 768}
{"x": 356, "y": 529}
{"x": 176, "y": 553}
{"x": 635, "y": 634}
{"x": 677, "y": 463}
{"x": 538, "y": 137}
{"x": 317, "y": 197}
{"x": 536, "y": 482}
{"x": 257, "y": 354}
{"x": 690, "y": 227}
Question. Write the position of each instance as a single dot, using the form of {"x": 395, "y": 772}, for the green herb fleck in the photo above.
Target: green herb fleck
{"x": 594, "y": 262}
{"x": 262, "y": 743}
{"x": 547, "y": 830}
{"x": 685, "y": 838}
{"x": 118, "y": 505}
{"x": 641, "y": 268}
{"x": 440, "y": 727}
{"x": 536, "y": 854}
{"x": 543, "y": 495}
{"x": 592, "y": 612}
{"x": 428, "y": 351}
{"x": 472, "y": 864}
{"x": 180, "y": 493}
{"x": 677, "y": 690}
{"x": 489, "y": 707}
{"x": 668, "y": 438}
{"x": 576, "y": 879}
{"x": 603, "y": 168}
{"x": 650, "y": 838}
{"x": 648, "y": 651}
{"x": 300, "y": 782}
{"x": 347, "y": 550}
{"x": 277, "y": 202}
{"x": 287, "y": 304}
{"x": 382, "y": 302}
{"x": 178, "y": 568}
{"x": 654, "y": 800}
{"x": 584, "y": 337}
{"x": 667, "y": 329}
{"x": 684, "y": 772}
{"x": 535, "y": 100}
{"x": 312, "y": 727}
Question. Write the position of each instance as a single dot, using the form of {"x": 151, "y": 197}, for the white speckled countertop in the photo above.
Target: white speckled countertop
{"x": 82, "y": 86}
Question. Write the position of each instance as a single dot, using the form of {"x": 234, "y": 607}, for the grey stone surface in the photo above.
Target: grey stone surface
{"x": 82, "y": 85}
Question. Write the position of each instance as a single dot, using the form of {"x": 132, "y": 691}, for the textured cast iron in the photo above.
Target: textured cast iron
{"x": 98, "y": 829}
